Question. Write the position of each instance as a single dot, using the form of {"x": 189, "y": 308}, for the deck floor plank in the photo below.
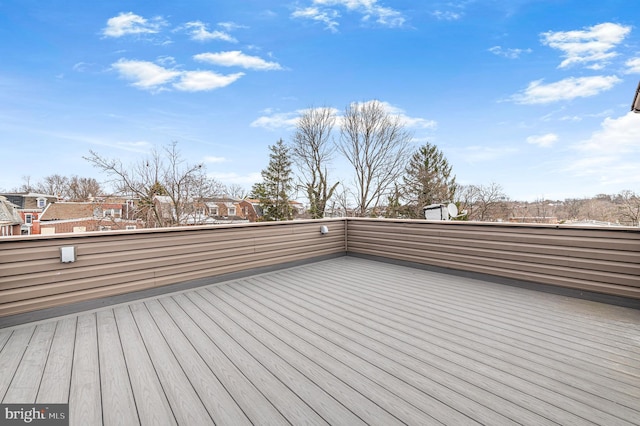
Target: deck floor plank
{"x": 343, "y": 341}
{"x": 11, "y": 356}
{"x": 548, "y": 394}
{"x": 151, "y": 401}
{"x": 4, "y": 336}
{"x": 220, "y": 405}
{"x": 26, "y": 382}
{"x": 253, "y": 403}
{"x": 56, "y": 379}
{"x": 417, "y": 405}
{"x": 184, "y": 400}
{"x": 449, "y": 380}
{"x": 85, "y": 399}
{"x": 118, "y": 404}
{"x": 269, "y": 381}
{"x": 307, "y": 365}
{"x": 455, "y": 323}
{"x": 578, "y": 336}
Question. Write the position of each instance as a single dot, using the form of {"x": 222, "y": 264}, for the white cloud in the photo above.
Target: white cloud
{"x": 633, "y": 66}
{"x": 198, "y": 81}
{"x": 564, "y": 90}
{"x": 199, "y": 31}
{"x": 591, "y": 46}
{"x": 619, "y": 135}
{"x": 146, "y": 75}
{"x": 508, "y": 53}
{"x": 82, "y": 66}
{"x": 130, "y": 23}
{"x": 328, "y": 17}
{"x": 326, "y": 11}
{"x": 280, "y": 120}
{"x": 411, "y": 122}
{"x": 611, "y": 154}
{"x": 446, "y": 15}
{"x": 288, "y": 120}
{"x": 543, "y": 141}
{"x": 236, "y": 58}
{"x": 155, "y": 78}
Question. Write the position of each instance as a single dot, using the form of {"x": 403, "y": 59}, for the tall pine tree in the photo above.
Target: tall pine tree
{"x": 276, "y": 186}
{"x": 428, "y": 180}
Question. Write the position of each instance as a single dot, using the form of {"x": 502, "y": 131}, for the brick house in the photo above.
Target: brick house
{"x": 63, "y": 217}
{"x": 223, "y": 210}
{"x": 10, "y": 220}
{"x": 30, "y": 206}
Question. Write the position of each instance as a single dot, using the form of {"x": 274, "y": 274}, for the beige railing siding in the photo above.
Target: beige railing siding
{"x": 603, "y": 260}
{"x": 112, "y": 263}
{"x": 32, "y": 276}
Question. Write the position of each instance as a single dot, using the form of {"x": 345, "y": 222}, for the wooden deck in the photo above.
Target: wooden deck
{"x": 345, "y": 341}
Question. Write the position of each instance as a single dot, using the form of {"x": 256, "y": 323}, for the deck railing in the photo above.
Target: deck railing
{"x": 600, "y": 260}
{"x": 108, "y": 264}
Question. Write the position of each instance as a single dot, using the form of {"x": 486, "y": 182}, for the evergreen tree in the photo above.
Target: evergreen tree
{"x": 276, "y": 186}
{"x": 428, "y": 180}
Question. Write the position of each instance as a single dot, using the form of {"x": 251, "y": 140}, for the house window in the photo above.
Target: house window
{"x": 200, "y": 211}
{"x": 42, "y": 203}
{"x": 112, "y": 212}
{"x": 213, "y": 211}
{"x": 28, "y": 218}
{"x": 130, "y": 227}
{"x": 232, "y": 211}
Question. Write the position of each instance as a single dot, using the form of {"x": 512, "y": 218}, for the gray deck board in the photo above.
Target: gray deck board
{"x": 56, "y": 379}
{"x": 310, "y": 371}
{"x": 151, "y": 403}
{"x": 220, "y": 405}
{"x": 257, "y": 408}
{"x": 11, "y": 355}
{"x": 453, "y": 321}
{"x": 343, "y": 341}
{"x": 29, "y": 372}
{"x": 574, "y": 337}
{"x": 184, "y": 400}
{"x": 118, "y": 404}
{"x": 85, "y": 399}
{"x": 521, "y": 391}
{"x": 270, "y": 374}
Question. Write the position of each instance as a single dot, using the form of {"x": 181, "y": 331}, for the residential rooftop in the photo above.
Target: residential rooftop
{"x": 338, "y": 335}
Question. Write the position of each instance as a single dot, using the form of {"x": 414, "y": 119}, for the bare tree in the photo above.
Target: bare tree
{"x": 376, "y": 144}
{"x": 54, "y": 185}
{"x": 167, "y": 187}
{"x": 26, "y": 185}
{"x": 236, "y": 191}
{"x": 629, "y": 207}
{"x": 484, "y": 202}
{"x": 312, "y": 151}
{"x": 81, "y": 189}
{"x": 339, "y": 204}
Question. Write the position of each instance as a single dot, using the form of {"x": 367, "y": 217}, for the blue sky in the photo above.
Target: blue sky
{"x": 533, "y": 95}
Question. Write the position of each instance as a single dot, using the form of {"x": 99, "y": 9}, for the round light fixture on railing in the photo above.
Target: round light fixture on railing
{"x": 324, "y": 229}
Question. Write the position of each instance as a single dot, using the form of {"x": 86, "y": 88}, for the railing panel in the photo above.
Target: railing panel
{"x": 32, "y": 276}
{"x": 603, "y": 260}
